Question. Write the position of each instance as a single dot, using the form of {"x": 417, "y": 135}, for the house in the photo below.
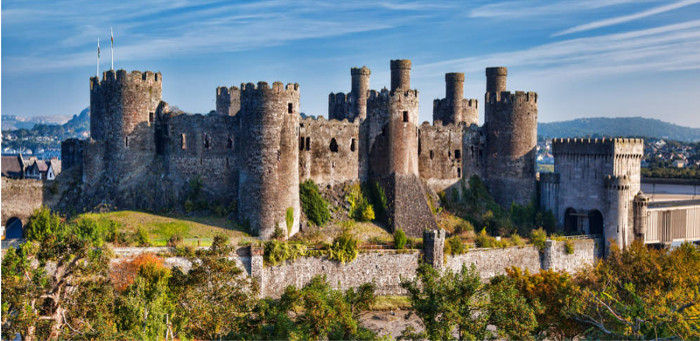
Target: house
{"x": 13, "y": 167}
{"x": 678, "y": 163}
{"x": 17, "y": 167}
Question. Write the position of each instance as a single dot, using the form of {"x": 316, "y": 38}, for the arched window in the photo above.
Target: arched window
{"x": 334, "y": 145}
{"x": 352, "y": 145}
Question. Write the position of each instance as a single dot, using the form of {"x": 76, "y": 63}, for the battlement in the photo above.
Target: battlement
{"x": 432, "y": 236}
{"x": 400, "y": 64}
{"x": 386, "y": 94}
{"x": 265, "y": 87}
{"x": 439, "y": 125}
{"x": 454, "y": 77}
{"x": 363, "y": 71}
{"x": 604, "y": 146}
{"x": 222, "y": 90}
{"x": 338, "y": 97}
{"x": 620, "y": 183}
{"x": 121, "y": 76}
{"x": 496, "y": 71}
{"x": 508, "y": 98}
{"x": 320, "y": 120}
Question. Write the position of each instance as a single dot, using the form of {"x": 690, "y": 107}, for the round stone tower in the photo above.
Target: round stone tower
{"x": 269, "y": 173}
{"x": 454, "y": 88}
{"x": 123, "y": 107}
{"x": 400, "y": 74}
{"x": 617, "y": 215}
{"x": 360, "y": 89}
{"x": 511, "y": 141}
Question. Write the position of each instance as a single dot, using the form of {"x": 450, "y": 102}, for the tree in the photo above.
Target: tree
{"x": 453, "y": 301}
{"x": 510, "y": 311}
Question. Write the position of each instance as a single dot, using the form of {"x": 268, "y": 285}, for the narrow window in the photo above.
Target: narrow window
{"x": 458, "y": 154}
{"x": 226, "y": 162}
{"x": 308, "y": 143}
{"x": 290, "y": 108}
{"x": 352, "y": 145}
{"x": 207, "y": 141}
{"x": 150, "y": 117}
{"x": 126, "y": 141}
{"x": 229, "y": 145}
{"x": 184, "y": 141}
{"x": 432, "y": 154}
{"x": 405, "y": 116}
{"x": 334, "y": 146}
{"x": 459, "y": 172}
{"x": 449, "y": 154}
{"x": 384, "y": 131}
{"x": 301, "y": 143}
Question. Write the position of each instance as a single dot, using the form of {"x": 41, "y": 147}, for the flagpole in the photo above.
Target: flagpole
{"x": 111, "y": 36}
{"x": 98, "y": 59}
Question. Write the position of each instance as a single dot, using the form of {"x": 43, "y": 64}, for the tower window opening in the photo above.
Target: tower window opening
{"x": 290, "y": 108}
{"x": 301, "y": 143}
{"x": 183, "y": 140}
{"x": 405, "y": 116}
{"x": 150, "y": 117}
{"x": 458, "y": 154}
{"x": 352, "y": 145}
{"x": 308, "y": 143}
{"x": 207, "y": 141}
{"x": 229, "y": 145}
{"x": 126, "y": 141}
{"x": 334, "y": 146}
{"x": 459, "y": 172}
{"x": 432, "y": 154}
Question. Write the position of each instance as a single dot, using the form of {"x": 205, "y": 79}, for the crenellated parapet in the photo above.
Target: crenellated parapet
{"x": 228, "y": 100}
{"x": 339, "y": 105}
{"x": 619, "y": 148}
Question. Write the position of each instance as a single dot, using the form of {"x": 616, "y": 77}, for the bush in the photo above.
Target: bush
{"x": 400, "y": 239}
{"x": 454, "y": 246}
{"x": 142, "y": 238}
{"x": 96, "y": 231}
{"x": 344, "y": 248}
{"x": 464, "y": 226}
{"x": 484, "y": 240}
{"x": 569, "y": 247}
{"x": 277, "y": 252}
{"x": 367, "y": 213}
{"x": 515, "y": 238}
{"x": 360, "y": 208}
{"x": 378, "y": 199}
{"x": 278, "y": 233}
{"x": 42, "y": 224}
{"x": 539, "y": 239}
{"x": 315, "y": 208}
{"x": 289, "y": 219}
{"x": 175, "y": 240}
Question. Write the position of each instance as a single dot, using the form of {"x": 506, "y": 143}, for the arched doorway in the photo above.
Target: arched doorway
{"x": 13, "y": 229}
{"x": 570, "y": 220}
{"x": 595, "y": 222}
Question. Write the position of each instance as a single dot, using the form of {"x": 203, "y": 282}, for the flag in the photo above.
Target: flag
{"x": 111, "y": 36}
{"x": 98, "y": 47}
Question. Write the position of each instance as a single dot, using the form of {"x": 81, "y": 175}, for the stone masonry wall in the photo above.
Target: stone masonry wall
{"x": 328, "y": 151}
{"x": 492, "y": 262}
{"x": 440, "y": 154}
{"x": 555, "y": 258}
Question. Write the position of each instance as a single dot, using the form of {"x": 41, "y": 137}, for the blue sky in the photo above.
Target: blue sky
{"x": 585, "y": 58}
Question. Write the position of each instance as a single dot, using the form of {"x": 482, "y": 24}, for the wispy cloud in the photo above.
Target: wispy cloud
{"x": 537, "y": 8}
{"x": 627, "y": 18}
{"x": 665, "y": 48}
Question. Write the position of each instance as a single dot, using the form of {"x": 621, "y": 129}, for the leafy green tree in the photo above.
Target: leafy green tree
{"x": 510, "y": 311}
{"x": 400, "y": 239}
{"x": 447, "y": 303}
{"x": 312, "y": 203}
{"x": 42, "y": 224}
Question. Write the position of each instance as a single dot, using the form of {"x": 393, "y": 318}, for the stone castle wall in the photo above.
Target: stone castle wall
{"x": 440, "y": 153}
{"x": 328, "y": 151}
{"x": 228, "y": 101}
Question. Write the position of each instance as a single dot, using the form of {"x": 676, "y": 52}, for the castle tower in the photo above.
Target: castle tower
{"x": 617, "y": 227}
{"x": 269, "y": 174}
{"x": 123, "y": 107}
{"x": 511, "y": 140}
{"x": 400, "y": 74}
{"x": 641, "y": 203}
{"x": 454, "y": 108}
{"x": 228, "y": 100}
{"x": 360, "y": 89}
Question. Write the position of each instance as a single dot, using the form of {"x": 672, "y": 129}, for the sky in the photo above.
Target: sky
{"x": 584, "y": 58}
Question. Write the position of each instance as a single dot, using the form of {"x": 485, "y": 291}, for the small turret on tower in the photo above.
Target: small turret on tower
{"x": 360, "y": 89}
{"x": 454, "y": 108}
{"x": 496, "y": 79}
{"x": 400, "y": 74}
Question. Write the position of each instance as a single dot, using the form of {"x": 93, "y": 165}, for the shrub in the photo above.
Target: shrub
{"x": 95, "y": 230}
{"x": 569, "y": 247}
{"x": 289, "y": 219}
{"x": 400, "y": 239}
{"x": 378, "y": 199}
{"x": 175, "y": 240}
{"x": 515, "y": 238}
{"x": 539, "y": 238}
{"x": 42, "y": 224}
{"x": 278, "y": 233}
{"x": 315, "y": 208}
{"x": 142, "y": 238}
{"x": 277, "y": 252}
{"x": 454, "y": 246}
{"x": 344, "y": 248}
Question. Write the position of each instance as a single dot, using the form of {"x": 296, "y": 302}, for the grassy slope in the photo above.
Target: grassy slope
{"x": 161, "y": 228}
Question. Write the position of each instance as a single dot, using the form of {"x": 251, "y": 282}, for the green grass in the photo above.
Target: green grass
{"x": 391, "y": 302}
{"x": 197, "y": 231}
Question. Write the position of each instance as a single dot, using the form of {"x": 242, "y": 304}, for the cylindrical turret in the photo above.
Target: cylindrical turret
{"x": 360, "y": 87}
{"x": 400, "y": 74}
{"x": 496, "y": 79}
{"x": 269, "y": 176}
{"x": 641, "y": 202}
{"x": 454, "y": 87}
{"x": 617, "y": 223}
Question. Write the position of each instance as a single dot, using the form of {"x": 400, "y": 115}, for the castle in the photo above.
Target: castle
{"x": 256, "y": 148}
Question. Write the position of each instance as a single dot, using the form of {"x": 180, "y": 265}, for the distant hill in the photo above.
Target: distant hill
{"x": 12, "y": 122}
{"x": 618, "y": 127}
